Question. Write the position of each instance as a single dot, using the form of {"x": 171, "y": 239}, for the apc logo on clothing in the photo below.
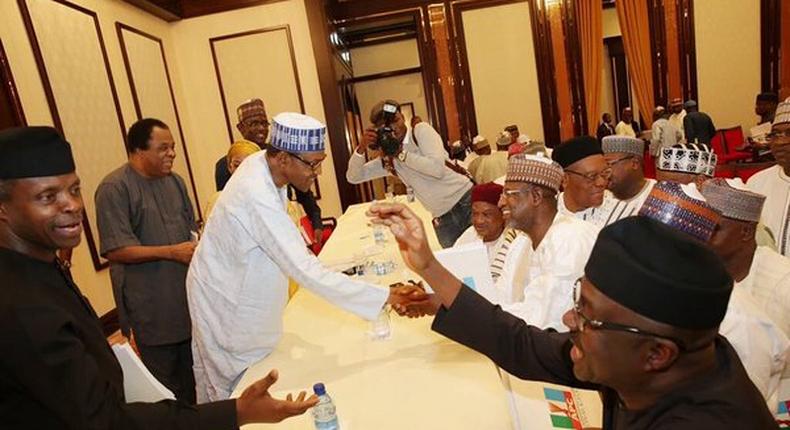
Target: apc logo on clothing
{"x": 783, "y": 415}
{"x": 562, "y": 406}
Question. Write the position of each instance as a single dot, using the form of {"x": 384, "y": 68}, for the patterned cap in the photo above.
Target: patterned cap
{"x": 534, "y": 169}
{"x": 733, "y": 200}
{"x": 489, "y": 193}
{"x": 782, "y": 115}
{"x": 294, "y": 132}
{"x": 625, "y": 144}
{"x": 480, "y": 142}
{"x": 250, "y": 108}
{"x": 688, "y": 158}
{"x": 681, "y": 206}
{"x": 523, "y": 139}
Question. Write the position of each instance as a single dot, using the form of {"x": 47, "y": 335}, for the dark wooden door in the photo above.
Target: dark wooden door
{"x": 11, "y": 114}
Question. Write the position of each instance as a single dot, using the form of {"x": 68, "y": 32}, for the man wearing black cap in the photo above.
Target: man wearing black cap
{"x": 56, "y": 368}
{"x": 643, "y": 328}
{"x": 586, "y": 178}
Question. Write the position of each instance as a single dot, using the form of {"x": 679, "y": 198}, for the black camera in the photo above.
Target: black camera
{"x": 385, "y": 136}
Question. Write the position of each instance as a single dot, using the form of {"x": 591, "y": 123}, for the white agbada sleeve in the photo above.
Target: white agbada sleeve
{"x": 555, "y": 266}
{"x": 762, "y": 347}
{"x": 270, "y": 227}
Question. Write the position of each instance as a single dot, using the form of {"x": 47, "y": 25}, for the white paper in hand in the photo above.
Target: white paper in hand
{"x": 139, "y": 385}
{"x": 469, "y": 263}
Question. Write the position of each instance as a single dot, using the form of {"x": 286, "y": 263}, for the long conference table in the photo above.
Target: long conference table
{"x": 415, "y": 380}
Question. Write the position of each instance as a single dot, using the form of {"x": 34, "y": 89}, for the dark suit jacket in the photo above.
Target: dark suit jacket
{"x": 604, "y": 130}
{"x": 57, "y": 370}
{"x": 698, "y": 125}
{"x": 722, "y": 399}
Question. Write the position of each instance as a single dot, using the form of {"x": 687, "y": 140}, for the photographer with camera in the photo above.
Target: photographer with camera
{"x": 418, "y": 158}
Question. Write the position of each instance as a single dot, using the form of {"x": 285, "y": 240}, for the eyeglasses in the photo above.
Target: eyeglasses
{"x": 604, "y": 174}
{"x": 613, "y": 162}
{"x": 583, "y": 322}
{"x": 777, "y": 135}
{"x": 313, "y": 165}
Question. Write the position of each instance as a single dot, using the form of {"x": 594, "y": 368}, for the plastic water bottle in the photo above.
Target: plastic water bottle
{"x": 324, "y": 413}
{"x": 379, "y": 235}
{"x": 380, "y": 327}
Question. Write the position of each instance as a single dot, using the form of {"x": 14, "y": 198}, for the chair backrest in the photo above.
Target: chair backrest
{"x": 717, "y": 143}
{"x": 732, "y": 138}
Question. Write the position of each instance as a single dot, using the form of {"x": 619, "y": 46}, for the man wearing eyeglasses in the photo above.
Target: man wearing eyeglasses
{"x": 774, "y": 183}
{"x": 254, "y": 126}
{"x": 643, "y": 323}
{"x": 628, "y": 185}
{"x": 237, "y": 284}
{"x": 586, "y": 178}
{"x": 560, "y": 244}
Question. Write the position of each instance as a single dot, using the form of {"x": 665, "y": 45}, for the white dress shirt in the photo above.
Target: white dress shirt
{"x": 237, "y": 283}
{"x": 435, "y": 185}
{"x": 613, "y": 209}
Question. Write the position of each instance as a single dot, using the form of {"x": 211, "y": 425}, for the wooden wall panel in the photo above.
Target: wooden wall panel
{"x": 257, "y": 64}
{"x": 498, "y": 57}
{"x": 75, "y": 72}
{"x": 152, "y": 93}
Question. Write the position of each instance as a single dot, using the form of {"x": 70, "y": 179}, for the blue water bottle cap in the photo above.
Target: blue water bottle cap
{"x": 319, "y": 389}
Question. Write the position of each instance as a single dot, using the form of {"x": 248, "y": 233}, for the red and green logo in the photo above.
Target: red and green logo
{"x": 562, "y": 406}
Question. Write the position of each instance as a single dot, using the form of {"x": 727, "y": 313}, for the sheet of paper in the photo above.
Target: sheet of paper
{"x": 469, "y": 263}
{"x": 139, "y": 385}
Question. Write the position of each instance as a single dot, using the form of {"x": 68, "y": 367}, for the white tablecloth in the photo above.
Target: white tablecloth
{"x": 415, "y": 380}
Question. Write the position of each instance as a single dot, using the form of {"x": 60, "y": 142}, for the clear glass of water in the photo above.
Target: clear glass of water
{"x": 380, "y": 327}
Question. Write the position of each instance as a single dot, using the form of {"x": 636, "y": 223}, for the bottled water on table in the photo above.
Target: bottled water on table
{"x": 379, "y": 235}
{"x": 324, "y": 413}
{"x": 380, "y": 327}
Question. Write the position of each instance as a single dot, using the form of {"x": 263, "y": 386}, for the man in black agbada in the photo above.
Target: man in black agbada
{"x": 57, "y": 370}
{"x": 644, "y": 328}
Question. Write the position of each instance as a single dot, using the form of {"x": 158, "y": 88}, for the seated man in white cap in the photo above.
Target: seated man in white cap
{"x": 237, "y": 284}
{"x": 628, "y": 185}
{"x": 759, "y": 342}
{"x": 488, "y": 166}
{"x": 508, "y": 250}
{"x": 760, "y": 273}
{"x": 774, "y": 182}
{"x": 586, "y": 178}
{"x": 561, "y": 243}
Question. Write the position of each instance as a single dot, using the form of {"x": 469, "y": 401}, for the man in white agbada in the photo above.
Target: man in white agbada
{"x": 760, "y": 343}
{"x": 627, "y": 184}
{"x": 586, "y": 179}
{"x": 508, "y": 249}
{"x": 237, "y": 285}
{"x": 760, "y": 299}
{"x": 774, "y": 182}
{"x": 561, "y": 243}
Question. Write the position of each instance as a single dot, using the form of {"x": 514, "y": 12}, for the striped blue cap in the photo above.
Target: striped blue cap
{"x": 294, "y": 132}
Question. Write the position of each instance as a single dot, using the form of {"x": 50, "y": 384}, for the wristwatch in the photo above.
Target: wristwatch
{"x": 402, "y": 156}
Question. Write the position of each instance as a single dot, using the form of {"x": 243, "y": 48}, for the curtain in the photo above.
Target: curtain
{"x": 589, "y": 16}
{"x": 635, "y": 26}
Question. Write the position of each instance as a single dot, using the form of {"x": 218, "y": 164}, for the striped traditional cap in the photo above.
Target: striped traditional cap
{"x": 782, "y": 115}
{"x": 251, "y": 107}
{"x": 534, "y": 169}
{"x": 681, "y": 206}
{"x": 294, "y": 132}
{"x": 688, "y": 158}
{"x": 733, "y": 199}
{"x": 625, "y": 144}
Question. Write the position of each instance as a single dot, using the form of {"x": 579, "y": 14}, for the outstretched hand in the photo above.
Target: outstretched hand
{"x": 408, "y": 231}
{"x": 256, "y": 405}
